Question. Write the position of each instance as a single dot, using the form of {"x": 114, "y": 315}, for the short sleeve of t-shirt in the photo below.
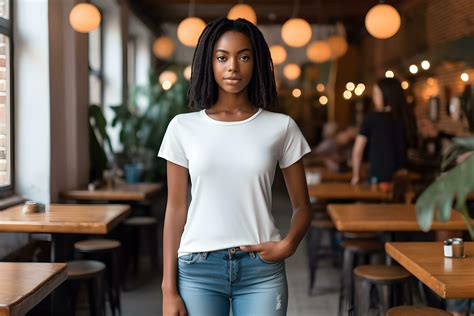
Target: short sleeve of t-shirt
{"x": 365, "y": 126}
{"x": 171, "y": 147}
{"x": 295, "y": 145}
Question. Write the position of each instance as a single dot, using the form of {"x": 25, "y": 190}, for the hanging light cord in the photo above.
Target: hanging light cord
{"x": 296, "y": 8}
{"x": 191, "y": 8}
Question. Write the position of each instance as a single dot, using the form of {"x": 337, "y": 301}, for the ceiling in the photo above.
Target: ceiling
{"x": 349, "y": 12}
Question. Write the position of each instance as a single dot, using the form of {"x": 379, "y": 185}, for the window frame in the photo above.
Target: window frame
{"x": 98, "y": 73}
{"x": 6, "y": 28}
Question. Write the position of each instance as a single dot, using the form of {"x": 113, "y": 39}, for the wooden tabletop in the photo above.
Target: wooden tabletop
{"x": 121, "y": 192}
{"x": 65, "y": 218}
{"x": 327, "y": 175}
{"x": 346, "y": 191}
{"x": 24, "y": 285}
{"x": 385, "y": 217}
{"x": 448, "y": 277}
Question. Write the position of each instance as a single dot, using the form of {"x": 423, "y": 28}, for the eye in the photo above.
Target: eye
{"x": 221, "y": 58}
{"x": 245, "y": 58}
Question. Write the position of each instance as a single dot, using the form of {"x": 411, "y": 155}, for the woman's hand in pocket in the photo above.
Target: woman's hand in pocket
{"x": 273, "y": 251}
{"x": 173, "y": 305}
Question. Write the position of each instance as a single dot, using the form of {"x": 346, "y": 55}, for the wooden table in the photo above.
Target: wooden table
{"x": 122, "y": 192}
{"x": 333, "y": 176}
{"x": 346, "y": 191}
{"x": 64, "y": 219}
{"x": 447, "y": 277}
{"x": 385, "y": 217}
{"x": 24, "y": 285}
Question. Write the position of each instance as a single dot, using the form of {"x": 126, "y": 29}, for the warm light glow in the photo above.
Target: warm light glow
{"x": 296, "y": 32}
{"x": 382, "y": 21}
{"x": 163, "y": 47}
{"x": 243, "y": 11}
{"x": 167, "y": 76}
{"x": 464, "y": 77}
{"x": 358, "y": 91}
{"x": 320, "y": 87}
{"x": 389, "y": 74}
{"x": 318, "y": 52}
{"x": 347, "y": 95}
{"x": 413, "y": 69}
{"x": 84, "y": 17}
{"x": 425, "y": 65}
{"x": 187, "y": 72}
{"x": 278, "y": 53}
{"x": 361, "y": 86}
{"x": 338, "y": 46}
{"x": 292, "y": 71}
{"x": 166, "y": 85}
{"x": 323, "y": 100}
{"x": 189, "y": 31}
{"x": 296, "y": 93}
{"x": 350, "y": 86}
{"x": 405, "y": 85}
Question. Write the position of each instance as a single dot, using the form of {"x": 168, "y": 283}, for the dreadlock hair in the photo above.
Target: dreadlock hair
{"x": 203, "y": 91}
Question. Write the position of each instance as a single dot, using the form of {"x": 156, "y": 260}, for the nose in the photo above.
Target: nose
{"x": 233, "y": 65}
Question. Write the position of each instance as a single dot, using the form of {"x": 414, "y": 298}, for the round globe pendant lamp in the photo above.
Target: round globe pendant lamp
{"x": 382, "y": 21}
{"x": 84, "y": 17}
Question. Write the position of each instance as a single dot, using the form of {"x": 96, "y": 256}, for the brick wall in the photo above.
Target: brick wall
{"x": 427, "y": 25}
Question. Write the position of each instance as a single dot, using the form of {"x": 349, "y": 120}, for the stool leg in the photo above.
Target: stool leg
{"x": 115, "y": 258}
{"x": 153, "y": 231}
{"x": 362, "y": 297}
{"x": 312, "y": 251}
{"x": 136, "y": 249}
{"x": 345, "y": 295}
{"x": 385, "y": 296}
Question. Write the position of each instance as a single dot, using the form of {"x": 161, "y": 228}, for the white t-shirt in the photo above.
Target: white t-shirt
{"x": 232, "y": 166}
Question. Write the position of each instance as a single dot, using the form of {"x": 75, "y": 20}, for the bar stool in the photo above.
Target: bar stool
{"x": 91, "y": 272}
{"x": 314, "y": 239}
{"x": 355, "y": 252}
{"x": 407, "y": 310}
{"x": 107, "y": 251}
{"x": 149, "y": 226}
{"x": 384, "y": 279}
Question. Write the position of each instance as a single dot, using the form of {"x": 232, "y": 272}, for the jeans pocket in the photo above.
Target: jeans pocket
{"x": 189, "y": 258}
{"x": 265, "y": 261}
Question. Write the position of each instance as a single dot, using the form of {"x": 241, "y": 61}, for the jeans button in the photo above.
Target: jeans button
{"x": 232, "y": 250}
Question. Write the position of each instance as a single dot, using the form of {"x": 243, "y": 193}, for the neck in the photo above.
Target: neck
{"x": 233, "y": 101}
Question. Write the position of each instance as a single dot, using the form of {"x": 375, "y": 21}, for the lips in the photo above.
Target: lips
{"x": 232, "y": 80}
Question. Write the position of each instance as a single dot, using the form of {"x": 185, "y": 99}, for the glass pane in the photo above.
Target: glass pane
{"x": 5, "y": 137}
{"x": 94, "y": 49}
{"x": 94, "y": 90}
{"x": 4, "y": 9}
{"x": 131, "y": 63}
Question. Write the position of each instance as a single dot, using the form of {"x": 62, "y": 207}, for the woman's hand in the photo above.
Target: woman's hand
{"x": 355, "y": 180}
{"x": 173, "y": 305}
{"x": 273, "y": 251}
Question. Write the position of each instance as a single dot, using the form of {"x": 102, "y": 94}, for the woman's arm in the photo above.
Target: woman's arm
{"x": 295, "y": 180}
{"x": 357, "y": 153}
{"x": 175, "y": 219}
{"x": 297, "y": 187}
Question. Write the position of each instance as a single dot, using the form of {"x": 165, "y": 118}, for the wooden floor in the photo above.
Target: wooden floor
{"x": 145, "y": 297}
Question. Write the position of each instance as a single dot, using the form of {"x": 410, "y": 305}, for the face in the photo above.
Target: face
{"x": 377, "y": 98}
{"x": 233, "y": 62}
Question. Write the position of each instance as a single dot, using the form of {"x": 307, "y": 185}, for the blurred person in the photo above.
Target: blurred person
{"x": 383, "y": 131}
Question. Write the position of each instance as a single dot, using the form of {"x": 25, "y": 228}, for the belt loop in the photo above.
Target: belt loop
{"x": 204, "y": 254}
{"x": 252, "y": 254}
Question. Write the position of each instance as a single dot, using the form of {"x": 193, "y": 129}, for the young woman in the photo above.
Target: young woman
{"x": 224, "y": 251}
{"x": 384, "y": 131}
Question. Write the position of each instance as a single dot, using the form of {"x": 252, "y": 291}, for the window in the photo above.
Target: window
{"x": 6, "y": 110}
{"x": 132, "y": 61}
{"x": 96, "y": 84}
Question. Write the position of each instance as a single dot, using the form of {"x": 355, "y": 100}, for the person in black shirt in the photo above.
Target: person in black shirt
{"x": 384, "y": 132}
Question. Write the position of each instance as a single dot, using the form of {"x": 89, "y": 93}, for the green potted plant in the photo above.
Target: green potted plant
{"x": 452, "y": 186}
{"x": 142, "y": 128}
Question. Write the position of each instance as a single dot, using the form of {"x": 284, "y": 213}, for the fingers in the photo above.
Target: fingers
{"x": 258, "y": 247}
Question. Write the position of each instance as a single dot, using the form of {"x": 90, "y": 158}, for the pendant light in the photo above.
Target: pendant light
{"x": 382, "y": 21}
{"x": 190, "y": 28}
{"x": 84, "y": 17}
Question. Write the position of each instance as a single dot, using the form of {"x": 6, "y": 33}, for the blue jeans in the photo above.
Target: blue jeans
{"x": 210, "y": 283}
